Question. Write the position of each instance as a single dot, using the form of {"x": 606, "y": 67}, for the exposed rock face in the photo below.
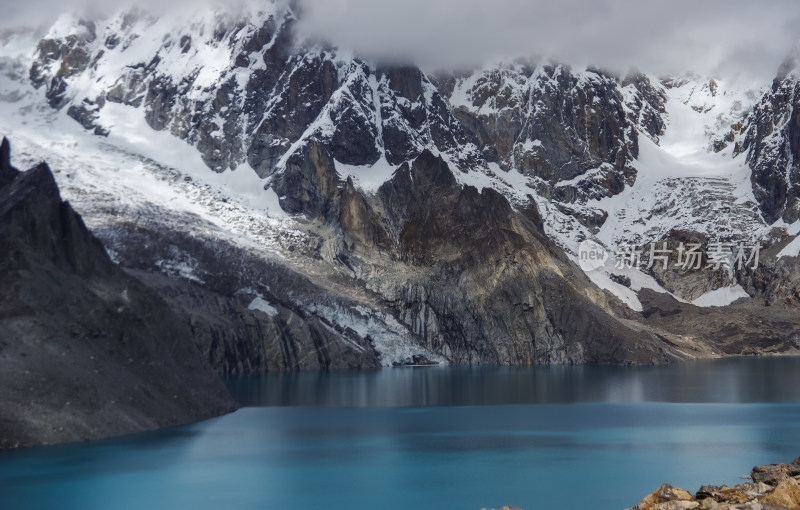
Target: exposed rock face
{"x": 476, "y": 280}
{"x": 772, "y": 144}
{"x": 776, "y": 281}
{"x": 775, "y": 487}
{"x": 728, "y": 331}
{"x": 552, "y": 123}
{"x": 274, "y": 92}
{"x": 575, "y": 132}
{"x": 237, "y": 336}
{"x": 393, "y": 173}
{"x": 667, "y": 497}
{"x": 457, "y": 273}
{"x": 62, "y": 58}
{"x": 87, "y": 351}
{"x": 690, "y": 282}
{"x": 773, "y": 474}
{"x": 645, "y": 103}
{"x": 247, "y": 314}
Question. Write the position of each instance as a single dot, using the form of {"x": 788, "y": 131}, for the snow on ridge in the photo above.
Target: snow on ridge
{"x": 323, "y": 127}
{"x": 680, "y": 184}
{"x": 715, "y": 105}
{"x": 129, "y": 130}
{"x": 193, "y": 50}
{"x": 136, "y": 172}
{"x": 204, "y": 62}
{"x": 506, "y": 77}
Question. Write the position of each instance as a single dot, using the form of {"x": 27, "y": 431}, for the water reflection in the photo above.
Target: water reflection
{"x": 737, "y": 380}
{"x": 598, "y": 437}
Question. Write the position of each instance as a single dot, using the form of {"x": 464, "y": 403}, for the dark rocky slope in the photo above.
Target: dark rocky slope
{"x": 746, "y": 327}
{"x": 236, "y": 339}
{"x": 234, "y": 336}
{"x": 86, "y": 351}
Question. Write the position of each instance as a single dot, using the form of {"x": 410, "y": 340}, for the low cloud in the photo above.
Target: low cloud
{"x": 706, "y": 36}
{"x": 710, "y": 37}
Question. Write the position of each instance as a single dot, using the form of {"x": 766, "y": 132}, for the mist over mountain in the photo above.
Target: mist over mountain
{"x": 709, "y": 38}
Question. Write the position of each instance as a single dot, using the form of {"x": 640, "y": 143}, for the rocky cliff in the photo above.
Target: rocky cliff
{"x": 771, "y": 143}
{"x": 86, "y": 350}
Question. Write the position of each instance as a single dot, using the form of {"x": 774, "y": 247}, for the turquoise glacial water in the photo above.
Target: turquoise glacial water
{"x": 437, "y": 438}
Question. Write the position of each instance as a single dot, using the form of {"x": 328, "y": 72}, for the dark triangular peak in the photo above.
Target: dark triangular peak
{"x": 5, "y": 153}
{"x": 7, "y": 172}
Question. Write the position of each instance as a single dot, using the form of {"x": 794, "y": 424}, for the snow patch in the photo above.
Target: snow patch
{"x": 367, "y": 178}
{"x": 623, "y": 293}
{"x": 262, "y": 305}
{"x": 639, "y": 280}
{"x": 128, "y": 129}
{"x": 180, "y": 268}
{"x": 791, "y": 250}
{"x": 721, "y": 297}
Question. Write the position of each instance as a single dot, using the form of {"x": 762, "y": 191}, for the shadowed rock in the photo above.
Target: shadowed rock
{"x": 86, "y": 351}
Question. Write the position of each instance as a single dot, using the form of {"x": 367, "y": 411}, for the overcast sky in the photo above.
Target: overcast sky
{"x": 707, "y": 36}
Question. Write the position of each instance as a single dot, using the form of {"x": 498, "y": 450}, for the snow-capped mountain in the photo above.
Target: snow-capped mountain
{"x": 428, "y": 214}
{"x": 771, "y": 143}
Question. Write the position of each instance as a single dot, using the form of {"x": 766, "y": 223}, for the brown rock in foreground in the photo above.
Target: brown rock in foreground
{"x": 775, "y": 486}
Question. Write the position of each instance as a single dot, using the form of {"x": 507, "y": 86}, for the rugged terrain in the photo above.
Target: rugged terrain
{"x": 300, "y": 207}
{"x": 86, "y": 350}
{"x": 773, "y": 487}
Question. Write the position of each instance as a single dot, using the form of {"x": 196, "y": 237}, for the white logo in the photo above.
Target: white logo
{"x": 591, "y": 255}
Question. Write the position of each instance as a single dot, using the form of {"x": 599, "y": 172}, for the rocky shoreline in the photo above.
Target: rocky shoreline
{"x": 773, "y": 487}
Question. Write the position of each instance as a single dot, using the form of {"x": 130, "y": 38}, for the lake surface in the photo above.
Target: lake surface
{"x": 438, "y": 438}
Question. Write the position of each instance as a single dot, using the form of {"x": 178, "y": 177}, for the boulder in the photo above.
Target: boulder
{"x": 785, "y": 495}
{"x": 667, "y": 497}
{"x": 773, "y": 474}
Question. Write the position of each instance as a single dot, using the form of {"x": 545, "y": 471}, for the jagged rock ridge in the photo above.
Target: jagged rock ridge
{"x": 87, "y": 351}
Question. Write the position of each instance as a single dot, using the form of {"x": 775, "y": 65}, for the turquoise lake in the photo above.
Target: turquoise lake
{"x": 438, "y": 438}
